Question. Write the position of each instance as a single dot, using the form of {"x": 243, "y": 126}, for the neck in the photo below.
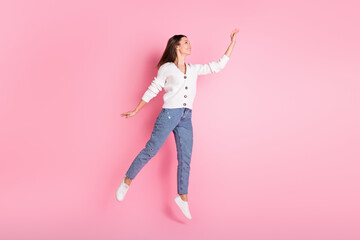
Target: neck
{"x": 180, "y": 60}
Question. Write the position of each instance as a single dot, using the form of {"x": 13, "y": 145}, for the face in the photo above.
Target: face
{"x": 184, "y": 47}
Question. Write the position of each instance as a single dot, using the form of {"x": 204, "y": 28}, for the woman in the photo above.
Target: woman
{"x": 179, "y": 81}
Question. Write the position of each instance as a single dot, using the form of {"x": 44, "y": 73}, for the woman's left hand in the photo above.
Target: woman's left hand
{"x": 233, "y": 33}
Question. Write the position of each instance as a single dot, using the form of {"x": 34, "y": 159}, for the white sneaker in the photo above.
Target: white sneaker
{"x": 184, "y": 206}
{"x": 120, "y": 193}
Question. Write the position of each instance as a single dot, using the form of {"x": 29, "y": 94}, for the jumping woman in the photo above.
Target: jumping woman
{"x": 178, "y": 78}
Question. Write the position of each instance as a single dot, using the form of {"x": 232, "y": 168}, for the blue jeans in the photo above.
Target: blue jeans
{"x": 178, "y": 121}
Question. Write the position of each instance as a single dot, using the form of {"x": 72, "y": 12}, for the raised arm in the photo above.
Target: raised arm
{"x": 216, "y": 66}
{"x": 232, "y": 43}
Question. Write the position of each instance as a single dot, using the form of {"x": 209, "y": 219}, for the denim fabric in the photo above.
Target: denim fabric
{"x": 178, "y": 121}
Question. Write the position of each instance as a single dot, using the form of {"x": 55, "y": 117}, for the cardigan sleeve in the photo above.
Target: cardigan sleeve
{"x": 211, "y": 67}
{"x": 156, "y": 85}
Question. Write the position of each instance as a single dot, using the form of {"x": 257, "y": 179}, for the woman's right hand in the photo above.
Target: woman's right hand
{"x": 129, "y": 114}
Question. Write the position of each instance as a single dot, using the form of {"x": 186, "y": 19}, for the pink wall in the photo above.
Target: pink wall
{"x": 276, "y": 133}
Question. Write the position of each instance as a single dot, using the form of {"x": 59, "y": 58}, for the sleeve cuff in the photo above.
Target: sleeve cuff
{"x": 146, "y": 98}
{"x": 225, "y": 57}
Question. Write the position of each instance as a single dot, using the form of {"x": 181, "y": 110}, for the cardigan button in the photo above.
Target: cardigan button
{"x": 185, "y": 77}
{"x": 186, "y": 87}
{"x": 184, "y": 104}
{"x": 185, "y": 96}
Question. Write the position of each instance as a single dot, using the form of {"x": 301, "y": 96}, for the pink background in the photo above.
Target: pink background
{"x": 276, "y": 133}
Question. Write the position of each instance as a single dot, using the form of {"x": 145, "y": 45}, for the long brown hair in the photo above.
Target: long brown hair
{"x": 169, "y": 54}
